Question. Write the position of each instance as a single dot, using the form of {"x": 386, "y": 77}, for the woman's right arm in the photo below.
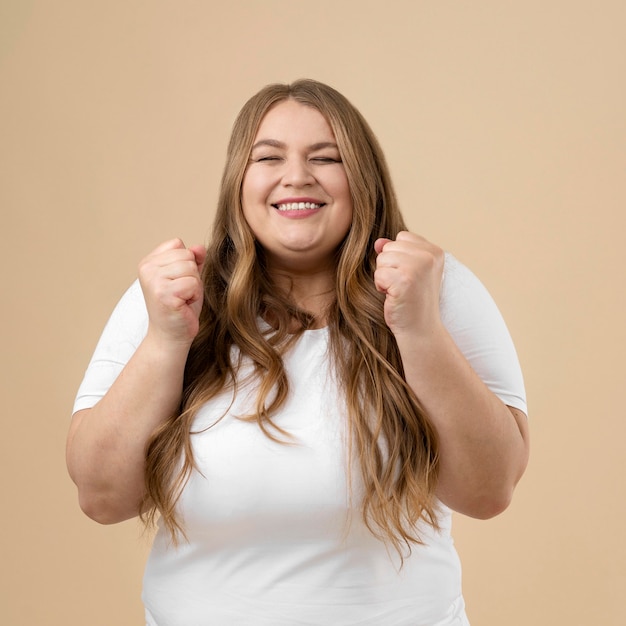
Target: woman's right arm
{"x": 106, "y": 444}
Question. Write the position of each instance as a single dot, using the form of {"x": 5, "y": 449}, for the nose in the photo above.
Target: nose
{"x": 297, "y": 173}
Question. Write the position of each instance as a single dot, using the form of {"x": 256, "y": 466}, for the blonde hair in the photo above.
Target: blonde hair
{"x": 391, "y": 436}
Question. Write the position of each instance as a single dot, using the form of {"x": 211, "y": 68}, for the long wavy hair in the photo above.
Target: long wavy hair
{"x": 390, "y": 434}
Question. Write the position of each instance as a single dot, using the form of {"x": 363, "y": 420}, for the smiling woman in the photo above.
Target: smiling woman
{"x": 295, "y": 194}
{"x": 303, "y": 403}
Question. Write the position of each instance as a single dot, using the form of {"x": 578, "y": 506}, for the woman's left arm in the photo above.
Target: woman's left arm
{"x": 483, "y": 442}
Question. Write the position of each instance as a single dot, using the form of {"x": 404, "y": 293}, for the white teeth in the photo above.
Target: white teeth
{"x": 297, "y": 206}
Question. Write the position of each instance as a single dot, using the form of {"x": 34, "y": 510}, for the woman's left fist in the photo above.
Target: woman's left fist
{"x": 409, "y": 272}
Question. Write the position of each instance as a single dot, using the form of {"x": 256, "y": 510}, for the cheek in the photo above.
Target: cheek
{"x": 346, "y": 221}
{"x": 247, "y": 187}
{"x": 347, "y": 215}
{"x": 341, "y": 187}
{"x": 342, "y": 191}
{"x": 250, "y": 196}
{"x": 251, "y": 217}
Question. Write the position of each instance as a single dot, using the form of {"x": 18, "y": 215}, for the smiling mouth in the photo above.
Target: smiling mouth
{"x": 297, "y": 206}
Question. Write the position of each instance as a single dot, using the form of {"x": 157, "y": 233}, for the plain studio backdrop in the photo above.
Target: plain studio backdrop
{"x": 505, "y": 128}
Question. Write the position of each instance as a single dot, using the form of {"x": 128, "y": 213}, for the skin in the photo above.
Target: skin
{"x": 105, "y": 445}
{"x": 294, "y": 157}
{"x": 484, "y": 444}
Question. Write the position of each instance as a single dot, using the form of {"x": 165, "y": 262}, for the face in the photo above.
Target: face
{"x": 295, "y": 192}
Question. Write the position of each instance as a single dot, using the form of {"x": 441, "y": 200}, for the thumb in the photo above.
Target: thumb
{"x": 199, "y": 252}
{"x": 379, "y": 244}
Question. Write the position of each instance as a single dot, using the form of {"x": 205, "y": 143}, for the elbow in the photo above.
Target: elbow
{"x": 480, "y": 504}
{"x": 95, "y": 513}
{"x": 105, "y": 508}
{"x": 103, "y": 501}
{"x": 97, "y": 510}
{"x": 494, "y": 496}
{"x": 490, "y": 505}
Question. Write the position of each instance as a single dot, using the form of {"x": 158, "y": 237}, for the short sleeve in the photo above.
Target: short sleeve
{"x": 121, "y": 336}
{"x": 477, "y": 327}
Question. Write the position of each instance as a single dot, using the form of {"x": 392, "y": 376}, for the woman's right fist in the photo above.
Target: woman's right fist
{"x": 170, "y": 278}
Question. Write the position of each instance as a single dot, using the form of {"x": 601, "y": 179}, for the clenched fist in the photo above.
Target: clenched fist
{"x": 170, "y": 278}
{"x": 408, "y": 272}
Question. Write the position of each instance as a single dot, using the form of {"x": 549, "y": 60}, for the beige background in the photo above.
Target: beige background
{"x": 505, "y": 127}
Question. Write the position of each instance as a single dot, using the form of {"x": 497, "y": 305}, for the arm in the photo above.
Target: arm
{"x": 106, "y": 444}
{"x": 483, "y": 443}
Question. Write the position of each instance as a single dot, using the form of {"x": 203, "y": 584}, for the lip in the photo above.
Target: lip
{"x": 296, "y": 214}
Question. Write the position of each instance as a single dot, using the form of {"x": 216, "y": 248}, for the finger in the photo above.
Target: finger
{"x": 174, "y": 295}
{"x": 379, "y": 244}
{"x": 383, "y": 278}
{"x": 405, "y": 235}
{"x": 172, "y": 256}
{"x": 398, "y": 254}
{"x": 390, "y": 258}
{"x": 402, "y": 244}
{"x": 187, "y": 290}
{"x": 179, "y": 269}
{"x": 199, "y": 253}
{"x": 170, "y": 244}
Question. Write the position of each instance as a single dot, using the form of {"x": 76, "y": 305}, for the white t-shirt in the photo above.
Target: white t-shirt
{"x": 274, "y": 538}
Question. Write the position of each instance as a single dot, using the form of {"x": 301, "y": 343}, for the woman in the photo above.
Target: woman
{"x": 305, "y": 404}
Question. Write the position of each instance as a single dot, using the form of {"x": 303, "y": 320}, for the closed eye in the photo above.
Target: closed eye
{"x": 325, "y": 160}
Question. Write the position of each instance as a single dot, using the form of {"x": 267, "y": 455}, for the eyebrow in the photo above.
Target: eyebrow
{"x": 273, "y": 143}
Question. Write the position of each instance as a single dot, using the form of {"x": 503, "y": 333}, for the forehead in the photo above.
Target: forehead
{"x": 293, "y": 122}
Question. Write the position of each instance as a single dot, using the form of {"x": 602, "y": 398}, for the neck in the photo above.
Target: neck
{"x": 310, "y": 291}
